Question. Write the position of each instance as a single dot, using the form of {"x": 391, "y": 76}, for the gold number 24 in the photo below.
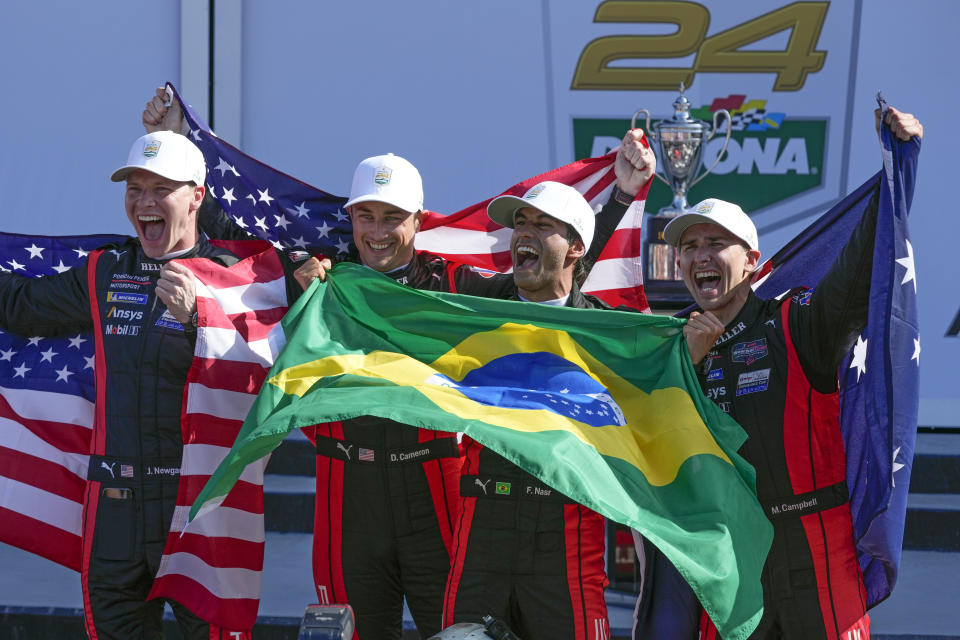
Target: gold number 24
{"x": 720, "y": 53}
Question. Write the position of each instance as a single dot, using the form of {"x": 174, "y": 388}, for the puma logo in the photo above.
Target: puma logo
{"x": 482, "y": 485}
{"x": 108, "y": 467}
{"x": 346, "y": 450}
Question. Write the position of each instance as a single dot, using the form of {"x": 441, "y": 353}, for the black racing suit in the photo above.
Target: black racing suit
{"x": 387, "y": 493}
{"x": 524, "y": 552}
{"x": 136, "y": 443}
{"x": 774, "y": 370}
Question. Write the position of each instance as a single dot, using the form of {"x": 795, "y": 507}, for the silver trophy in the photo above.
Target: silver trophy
{"x": 680, "y": 140}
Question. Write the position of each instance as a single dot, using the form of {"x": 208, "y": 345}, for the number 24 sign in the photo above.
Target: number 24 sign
{"x": 719, "y": 53}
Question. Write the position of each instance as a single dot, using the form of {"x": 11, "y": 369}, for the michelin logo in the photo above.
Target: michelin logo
{"x": 131, "y": 298}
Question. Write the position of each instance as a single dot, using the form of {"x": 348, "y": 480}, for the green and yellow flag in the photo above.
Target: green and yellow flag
{"x": 603, "y": 406}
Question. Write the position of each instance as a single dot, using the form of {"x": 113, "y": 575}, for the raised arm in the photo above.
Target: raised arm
{"x": 634, "y": 167}
{"x": 837, "y": 310}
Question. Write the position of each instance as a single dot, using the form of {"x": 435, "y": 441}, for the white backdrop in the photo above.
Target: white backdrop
{"x": 476, "y": 95}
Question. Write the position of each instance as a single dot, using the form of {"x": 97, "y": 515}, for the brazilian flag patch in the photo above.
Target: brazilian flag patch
{"x": 503, "y": 488}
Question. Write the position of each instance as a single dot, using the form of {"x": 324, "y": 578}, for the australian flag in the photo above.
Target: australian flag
{"x": 879, "y": 379}
{"x": 267, "y": 203}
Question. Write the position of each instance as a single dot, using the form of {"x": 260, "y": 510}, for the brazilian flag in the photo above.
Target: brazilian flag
{"x": 603, "y": 406}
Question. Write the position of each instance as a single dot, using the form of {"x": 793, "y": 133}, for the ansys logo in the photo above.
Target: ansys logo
{"x": 770, "y": 156}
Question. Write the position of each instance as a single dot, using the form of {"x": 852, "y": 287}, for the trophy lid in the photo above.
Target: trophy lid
{"x": 681, "y": 107}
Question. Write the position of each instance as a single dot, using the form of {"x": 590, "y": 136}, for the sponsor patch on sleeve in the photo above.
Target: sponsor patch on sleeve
{"x": 715, "y": 374}
{"x": 803, "y": 297}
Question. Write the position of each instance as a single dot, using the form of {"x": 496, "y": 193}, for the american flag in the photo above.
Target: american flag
{"x": 46, "y": 413}
{"x": 213, "y": 564}
{"x": 879, "y": 379}
{"x": 293, "y": 215}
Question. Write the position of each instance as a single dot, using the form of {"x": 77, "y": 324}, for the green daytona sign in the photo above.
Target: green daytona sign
{"x": 770, "y": 158}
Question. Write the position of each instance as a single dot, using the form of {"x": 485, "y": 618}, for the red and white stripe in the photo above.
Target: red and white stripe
{"x": 213, "y": 564}
{"x": 44, "y": 452}
{"x": 470, "y": 236}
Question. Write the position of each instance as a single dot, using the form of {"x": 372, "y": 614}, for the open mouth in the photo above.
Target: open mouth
{"x": 527, "y": 257}
{"x": 378, "y": 247}
{"x": 151, "y": 227}
{"x": 707, "y": 282}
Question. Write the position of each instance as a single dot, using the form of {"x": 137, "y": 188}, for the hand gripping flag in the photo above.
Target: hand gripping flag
{"x": 46, "y": 413}
{"x": 603, "y": 406}
{"x": 293, "y": 215}
{"x": 879, "y": 379}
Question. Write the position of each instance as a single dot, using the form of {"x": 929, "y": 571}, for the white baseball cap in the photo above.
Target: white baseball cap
{"x": 553, "y": 198}
{"x": 389, "y": 179}
{"x": 713, "y": 211}
{"x": 166, "y": 154}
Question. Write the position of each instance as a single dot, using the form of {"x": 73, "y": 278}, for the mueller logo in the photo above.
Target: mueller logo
{"x": 150, "y": 266}
{"x": 125, "y": 314}
{"x": 121, "y": 329}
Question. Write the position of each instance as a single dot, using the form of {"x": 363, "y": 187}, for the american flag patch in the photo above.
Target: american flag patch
{"x": 365, "y": 454}
{"x": 126, "y": 471}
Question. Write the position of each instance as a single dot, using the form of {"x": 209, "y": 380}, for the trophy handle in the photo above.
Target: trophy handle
{"x": 651, "y": 135}
{"x": 716, "y": 115}
{"x": 646, "y": 126}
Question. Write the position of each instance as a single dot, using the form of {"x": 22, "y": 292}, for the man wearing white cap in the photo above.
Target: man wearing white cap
{"x": 140, "y": 307}
{"x": 527, "y": 554}
{"x": 774, "y": 369}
